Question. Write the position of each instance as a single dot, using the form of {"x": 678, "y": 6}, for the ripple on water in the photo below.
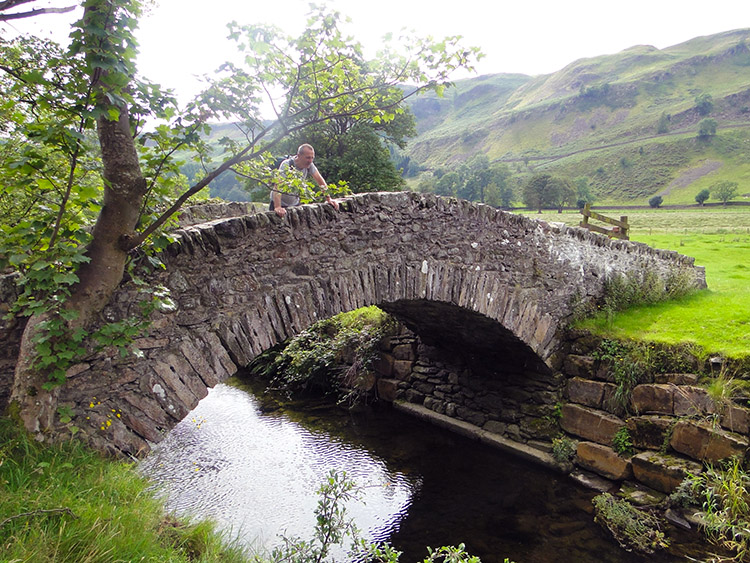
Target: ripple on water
{"x": 257, "y": 474}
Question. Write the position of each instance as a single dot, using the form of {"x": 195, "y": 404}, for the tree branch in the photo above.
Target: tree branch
{"x": 34, "y": 12}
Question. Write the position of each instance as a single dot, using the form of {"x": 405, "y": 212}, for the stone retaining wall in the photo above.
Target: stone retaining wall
{"x": 675, "y": 426}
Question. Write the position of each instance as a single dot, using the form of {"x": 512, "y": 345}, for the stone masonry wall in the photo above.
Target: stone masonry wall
{"x": 464, "y": 276}
{"x": 519, "y": 405}
{"x": 675, "y": 426}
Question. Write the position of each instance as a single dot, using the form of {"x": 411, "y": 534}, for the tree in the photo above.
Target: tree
{"x": 656, "y": 201}
{"x": 704, "y": 103}
{"x": 702, "y": 196}
{"x": 662, "y": 125}
{"x": 707, "y": 128}
{"x": 356, "y": 150}
{"x": 584, "y": 194}
{"x": 67, "y": 269}
{"x": 544, "y": 191}
{"x": 565, "y": 193}
{"x": 448, "y": 184}
{"x": 724, "y": 191}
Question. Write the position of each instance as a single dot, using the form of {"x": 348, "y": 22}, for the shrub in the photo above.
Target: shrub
{"x": 655, "y": 201}
{"x": 625, "y": 362}
{"x": 563, "y": 448}
{"x": 723, "y": 495}
{"x": 622, "y": 442}
{"x": 330, "y": 355}
{"x": 707, "y": 128}
{"x": 632, "y": 528}
{"x": 702, "y": 196}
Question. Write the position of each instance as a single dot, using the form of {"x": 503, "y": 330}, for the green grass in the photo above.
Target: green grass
{"x": 66, "y": 503}
{"x": 717, "y": 320}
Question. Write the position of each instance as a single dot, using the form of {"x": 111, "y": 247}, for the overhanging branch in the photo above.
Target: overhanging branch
{"x": 30, "y": 13}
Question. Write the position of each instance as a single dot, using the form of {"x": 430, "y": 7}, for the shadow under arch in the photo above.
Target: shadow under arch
{"x": 481, "y": 342}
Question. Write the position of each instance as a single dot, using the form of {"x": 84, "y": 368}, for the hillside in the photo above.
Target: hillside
{"x": 628, "y": 122}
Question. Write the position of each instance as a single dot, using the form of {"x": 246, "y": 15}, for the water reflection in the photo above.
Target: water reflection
{"x": 257, "y": 474}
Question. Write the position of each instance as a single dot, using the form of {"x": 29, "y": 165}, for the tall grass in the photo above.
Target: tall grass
{"x": 66, "y": 503}
{"x": 717, "y": 320}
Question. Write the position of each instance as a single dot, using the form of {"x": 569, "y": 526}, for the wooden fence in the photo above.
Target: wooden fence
{"x": 619, "y": 229}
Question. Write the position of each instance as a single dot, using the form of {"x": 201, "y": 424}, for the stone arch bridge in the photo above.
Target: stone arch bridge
{"x": 474, "y": 281}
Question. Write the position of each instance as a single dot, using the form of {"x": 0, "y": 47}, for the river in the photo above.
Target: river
{"x": 253, "y": 465}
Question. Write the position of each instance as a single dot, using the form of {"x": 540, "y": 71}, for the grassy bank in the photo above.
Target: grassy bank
{"x": 66, "y": 503}
{"x": 718, "y": 320}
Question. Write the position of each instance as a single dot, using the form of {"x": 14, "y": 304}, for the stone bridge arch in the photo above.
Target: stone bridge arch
{"x": 465, "y": 276}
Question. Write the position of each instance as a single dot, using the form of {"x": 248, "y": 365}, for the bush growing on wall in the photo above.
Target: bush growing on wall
{"x": 330, "y": 355}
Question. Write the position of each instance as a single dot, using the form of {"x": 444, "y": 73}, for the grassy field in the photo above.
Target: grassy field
{"x": 718, "y": 319}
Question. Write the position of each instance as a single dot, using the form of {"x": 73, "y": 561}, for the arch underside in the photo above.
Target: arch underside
{"x": 481, "y": 342}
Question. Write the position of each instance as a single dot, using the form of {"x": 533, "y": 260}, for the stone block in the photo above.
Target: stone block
{"x": 692, "y": 401}
{"x": 495, "y": 426}
{"x": 676, "y": 378}
{"x": 579, "y": 366}
{"x": 471, "y": 416}
{"x": 586, "y": 392}
{"x": 662, "y": 472}
{"x": 736, "y": 419}
{"x": 639, "y": 494}
{"x": 603, "y": 461}
{"x": 387, "y": 389}
{"x": 704, "y": 442}
{"x": 649, "y": 432}
{"x": 591, "y": 481}
{"x": 402, "y": 369}
{"x": 589, "y": 424}
{"x": 383, "y": 365}
{"x": 404, "y": 352}
{"x": 653, "y": 398}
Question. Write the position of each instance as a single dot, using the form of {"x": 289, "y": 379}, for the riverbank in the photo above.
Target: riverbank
{"x": 66, "y": 503}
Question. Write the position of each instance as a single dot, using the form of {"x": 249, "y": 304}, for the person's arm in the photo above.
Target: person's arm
{"x": 280, "y": 211}
{"x": 276, "y": 192}
{"x": 323, "y": 187}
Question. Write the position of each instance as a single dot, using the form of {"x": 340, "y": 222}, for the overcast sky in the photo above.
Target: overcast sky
{"x": 183, "y": 38}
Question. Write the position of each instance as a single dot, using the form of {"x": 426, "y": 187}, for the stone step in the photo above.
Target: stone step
{"x": 590, "y": 424}
{"x": 663, "y": 472}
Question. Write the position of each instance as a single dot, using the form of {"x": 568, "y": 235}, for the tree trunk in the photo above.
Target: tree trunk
{"x": 124, "y": 190}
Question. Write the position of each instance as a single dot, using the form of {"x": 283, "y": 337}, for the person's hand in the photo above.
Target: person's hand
{"x": 333, "y": 202}
{"x": 280, "y": 211}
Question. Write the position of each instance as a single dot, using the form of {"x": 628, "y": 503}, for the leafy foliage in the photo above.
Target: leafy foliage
{"x": 702, "y": 196}
{"x": 563, "y": 448}
{"x": 704, "y": 103}
{"x": 633, "y": 529}
{"x": 332, "y": 354}
{"x": 655, "y": 201}
{"x": 544, "y": 191}
{"x": 724, "y": 191}
{"x": 707, "y": 128}
{"x": 722, "y": 494}
{"x": 622, "y": 442}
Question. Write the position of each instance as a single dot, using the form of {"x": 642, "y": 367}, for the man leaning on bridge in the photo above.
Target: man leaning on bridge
{"x": 302, "y": 164}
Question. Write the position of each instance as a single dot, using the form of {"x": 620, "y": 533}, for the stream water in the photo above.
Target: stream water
{"x": 254, "y": 468}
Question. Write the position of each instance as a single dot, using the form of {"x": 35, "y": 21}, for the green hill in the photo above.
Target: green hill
{"x": 628, "y": 122}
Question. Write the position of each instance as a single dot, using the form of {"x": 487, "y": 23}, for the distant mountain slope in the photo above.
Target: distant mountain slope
{"x": 627, "y": 121}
